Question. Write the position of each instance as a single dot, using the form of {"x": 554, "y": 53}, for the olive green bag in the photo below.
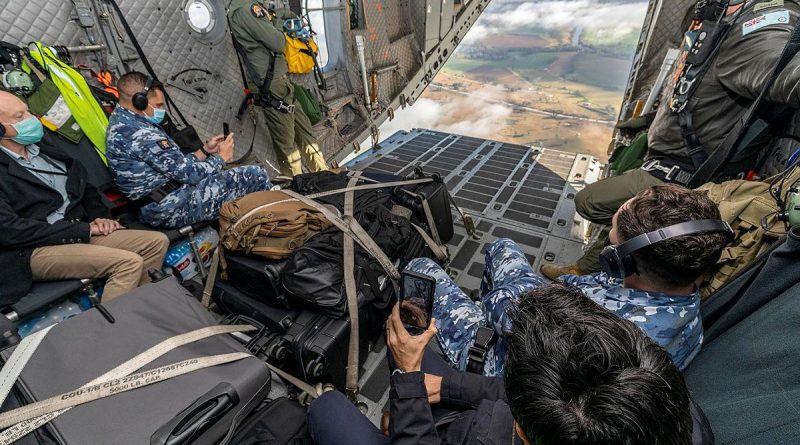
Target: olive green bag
{"x": 752, "y": 213}
{"x": 629, "y": 157}
{"x": 309, "y": 103}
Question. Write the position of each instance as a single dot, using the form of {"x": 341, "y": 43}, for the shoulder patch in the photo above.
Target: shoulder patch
{"x": 164, "y": 144}
{"x": 258, "y": 10}
{"x": 767, "y": 5}
{"x": 762, "y": 21}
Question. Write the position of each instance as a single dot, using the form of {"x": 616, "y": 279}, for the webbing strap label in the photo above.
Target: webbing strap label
{"x": 101, "y": 390}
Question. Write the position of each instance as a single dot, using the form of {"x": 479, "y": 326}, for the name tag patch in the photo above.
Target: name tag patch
{"x": 762, "y": 21}
{"x": 767, "y": 5}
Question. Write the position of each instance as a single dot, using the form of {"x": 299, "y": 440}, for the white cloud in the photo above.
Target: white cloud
{"x": 504, "y": 16}
{"x": 475, "y": 115}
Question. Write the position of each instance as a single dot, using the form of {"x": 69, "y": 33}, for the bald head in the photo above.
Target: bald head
{"x": 12, "y": 109}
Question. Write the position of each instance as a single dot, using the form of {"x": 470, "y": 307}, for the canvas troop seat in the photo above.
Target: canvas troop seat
{"x": 747, "y": 376}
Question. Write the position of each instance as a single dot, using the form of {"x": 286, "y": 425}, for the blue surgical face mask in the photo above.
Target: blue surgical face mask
{"x": 29, "y": 131}
{"x": 158, "y": 115}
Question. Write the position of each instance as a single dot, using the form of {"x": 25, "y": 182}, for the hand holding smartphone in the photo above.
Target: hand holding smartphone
{"x": 416, "y": 301}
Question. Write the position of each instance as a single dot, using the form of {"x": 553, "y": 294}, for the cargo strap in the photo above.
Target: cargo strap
{"x": 350, "y": 289}
{"x": 19, "y": 358}
{"x": 380, "y": 185}
{"x": 19, "y": 430}
{"x": 305, "y": 387}
{"x": 211, "y": 279}
{"x": 354, "y": 230}
{"x": 110, "y": 387}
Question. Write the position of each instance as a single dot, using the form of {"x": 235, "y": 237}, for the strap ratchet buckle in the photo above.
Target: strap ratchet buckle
{"x": 476, "y": 359}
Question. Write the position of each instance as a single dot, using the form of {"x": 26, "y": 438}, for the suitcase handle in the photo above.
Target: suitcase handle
{"x": 198, "y": 417}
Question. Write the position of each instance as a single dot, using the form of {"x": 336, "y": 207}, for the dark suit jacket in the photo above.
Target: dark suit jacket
{"x": 25, "y": 202}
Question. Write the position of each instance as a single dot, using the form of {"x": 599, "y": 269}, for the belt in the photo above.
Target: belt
{"x": 159, "y": 194}
{"x": 484, "y": 338}
{"x": 668, "y": 171}
{"x": 266, "y": 101}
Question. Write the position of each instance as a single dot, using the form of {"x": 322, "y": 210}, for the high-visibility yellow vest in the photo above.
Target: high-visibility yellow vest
{"x": 76, "y": 93}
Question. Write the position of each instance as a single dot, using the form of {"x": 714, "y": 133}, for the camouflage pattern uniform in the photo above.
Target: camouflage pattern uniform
{"x": 143, "y": 158}
{"x": 507, "y": 276}
{"x": 671, "y": 321}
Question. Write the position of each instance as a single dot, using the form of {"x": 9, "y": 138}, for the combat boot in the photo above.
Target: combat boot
{"x": 553, "y": 271}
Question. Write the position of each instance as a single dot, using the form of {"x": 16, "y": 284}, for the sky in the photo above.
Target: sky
{"x": 500, "y": 15}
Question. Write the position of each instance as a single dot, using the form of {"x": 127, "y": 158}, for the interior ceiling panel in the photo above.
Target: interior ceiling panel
{"x": 512, "y": 191}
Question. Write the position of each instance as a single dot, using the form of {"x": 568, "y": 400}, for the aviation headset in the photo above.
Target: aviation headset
{"x": 618, "y": 263}
{"x": 139, "y": 99}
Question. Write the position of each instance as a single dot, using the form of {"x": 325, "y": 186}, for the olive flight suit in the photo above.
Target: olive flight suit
{"x": 258, "y": 37}
{"x": 735, "y": 78}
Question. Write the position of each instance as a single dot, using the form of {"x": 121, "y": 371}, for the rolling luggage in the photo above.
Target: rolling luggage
{"x": 199, "y": 407}
{"x": 318, "y": 347}
{"x": 233, "y": 301}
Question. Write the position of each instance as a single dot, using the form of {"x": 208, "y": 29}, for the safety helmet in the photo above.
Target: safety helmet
{"x": 18, "y": 82}
{"x": 296, "y": 27}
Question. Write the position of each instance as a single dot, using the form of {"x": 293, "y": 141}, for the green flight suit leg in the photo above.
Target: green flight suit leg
{"x": 598, "y": 203}
{"x": 305, "y": 141}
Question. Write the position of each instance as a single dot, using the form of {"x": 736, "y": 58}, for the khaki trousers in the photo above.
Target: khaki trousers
{"x": 123, "y": 258}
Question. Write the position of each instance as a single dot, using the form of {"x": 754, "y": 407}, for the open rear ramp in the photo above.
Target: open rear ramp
{"x": 512, "y": 191}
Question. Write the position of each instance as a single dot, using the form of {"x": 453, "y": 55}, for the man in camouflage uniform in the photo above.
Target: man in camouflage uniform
{"x": 174, "y": 189}
{"x": 736, "y": 76}
{"x": 660, "y": 297}
{"x": 261, "y": 41}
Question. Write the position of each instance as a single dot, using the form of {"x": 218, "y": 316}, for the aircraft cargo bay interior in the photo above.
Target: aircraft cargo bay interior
{"x": 535, "y": 222}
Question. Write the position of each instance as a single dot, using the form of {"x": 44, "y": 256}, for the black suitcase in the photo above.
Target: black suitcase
{"x": 233, "y": 301}
{"x": 437, "y": 196}
{"x": 319, "y": 348}
{"x": 258, "y": 278}
{"x": 200, "y": 407}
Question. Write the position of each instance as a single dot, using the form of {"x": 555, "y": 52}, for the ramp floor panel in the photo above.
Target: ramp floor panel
{"x": 512, "y": 191}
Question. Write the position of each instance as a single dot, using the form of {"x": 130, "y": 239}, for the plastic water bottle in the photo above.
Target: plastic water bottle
{"x": 50, "y": 317}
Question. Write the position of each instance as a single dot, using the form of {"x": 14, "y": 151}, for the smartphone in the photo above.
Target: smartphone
{"x": 226, "y": 129}
{"x": 416, "y": 301}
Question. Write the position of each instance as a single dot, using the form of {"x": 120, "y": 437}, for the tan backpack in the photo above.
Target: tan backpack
{"x": 753, "y": 214}
{"x": 269, "y": 224}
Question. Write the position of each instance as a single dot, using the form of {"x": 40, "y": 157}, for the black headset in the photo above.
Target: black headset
{"x": 140, "y": 99}
{"x": 618, "y": 263}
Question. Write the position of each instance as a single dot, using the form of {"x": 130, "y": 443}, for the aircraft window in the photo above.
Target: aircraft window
{"x": 313, "y": 9}
{"x": 198, "y": 14}
{"x": 204, "y": 18}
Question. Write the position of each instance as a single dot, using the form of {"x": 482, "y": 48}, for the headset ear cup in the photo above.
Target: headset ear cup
{"x": 611, "y": 262}
{"x": 140, "y": 101}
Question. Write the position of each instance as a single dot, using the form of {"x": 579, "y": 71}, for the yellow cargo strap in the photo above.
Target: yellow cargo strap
{"x": 76, "y": 93}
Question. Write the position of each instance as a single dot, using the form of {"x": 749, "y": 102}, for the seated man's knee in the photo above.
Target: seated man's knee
{"x": 424, "y": 266}
{"x": 584, "y": 203}
{"x": 501, "y": 244}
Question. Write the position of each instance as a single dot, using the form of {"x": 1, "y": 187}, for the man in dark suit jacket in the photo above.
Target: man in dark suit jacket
{"x": 53, "y": 223}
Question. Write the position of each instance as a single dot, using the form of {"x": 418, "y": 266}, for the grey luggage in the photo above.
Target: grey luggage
{"x": 201, "y": 407}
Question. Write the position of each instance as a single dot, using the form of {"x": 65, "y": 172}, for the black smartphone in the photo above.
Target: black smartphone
{"x": 416, "y": 301}
{"x": 226, "y": 129}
